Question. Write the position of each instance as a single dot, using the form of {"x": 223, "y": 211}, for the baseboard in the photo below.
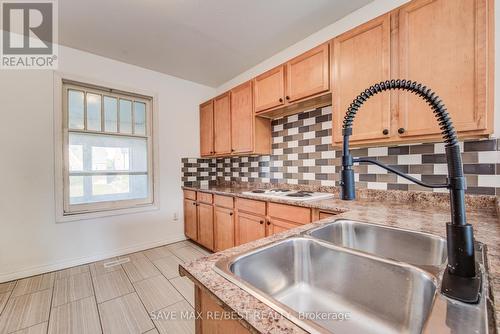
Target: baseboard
{"x": 46, "y": 268}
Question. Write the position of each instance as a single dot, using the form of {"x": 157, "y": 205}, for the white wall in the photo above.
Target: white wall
{"x": 30, "y": 240}
{"x": 364, "y": 14}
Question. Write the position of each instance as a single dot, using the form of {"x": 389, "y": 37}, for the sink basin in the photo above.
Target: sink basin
{"x": 325, "y": 288}
{"x": 420, "y": 249}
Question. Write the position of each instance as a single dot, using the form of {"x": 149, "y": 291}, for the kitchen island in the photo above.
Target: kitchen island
{"x": 418, "y": 211}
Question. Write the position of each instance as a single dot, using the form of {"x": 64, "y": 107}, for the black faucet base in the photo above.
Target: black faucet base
{"x": 464, "y": 289}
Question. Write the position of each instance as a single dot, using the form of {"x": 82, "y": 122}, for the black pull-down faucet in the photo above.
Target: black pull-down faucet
{"x": 460, "y": 281}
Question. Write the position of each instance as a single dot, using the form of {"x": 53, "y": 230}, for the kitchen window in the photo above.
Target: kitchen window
{"x": 107, "y": 149}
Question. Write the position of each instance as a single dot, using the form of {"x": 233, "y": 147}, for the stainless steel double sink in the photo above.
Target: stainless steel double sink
{"x": 353, "y": 277}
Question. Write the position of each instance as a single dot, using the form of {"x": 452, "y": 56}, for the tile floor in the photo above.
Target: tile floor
{"x": 98, "y": 298}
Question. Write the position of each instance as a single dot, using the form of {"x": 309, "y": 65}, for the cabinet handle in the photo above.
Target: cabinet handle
{"x": 194, "y": 203}
{"x": 281, "y": 100}
{"x": 268, "y": 223}
{"x": 401, "y": 131}
{"x": 385, "y": 132}
{"x": 261, "y": 222}
{"x": 287, "y": 97}
{"x": 230, "y": 213}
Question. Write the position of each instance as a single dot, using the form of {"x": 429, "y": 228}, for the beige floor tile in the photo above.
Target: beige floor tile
{"x": 100, "y": 267}
{"x": 138, "y": 270}
{"x": 179, "y": 244}
{"x": 169, "y": 266}
{"x": 134, "y": 256}
{"x": 153, "y": 331}
{"x": 72, "y": 288}
{"x": 179, "y": 325}
{"x": 80, "y": 317}
{"x": 157, "y": 253}
{"x": 125, "y": 314}
{"x": 112, "y": 285}
{"x": 33, "y": 284}
{"x": 8, "y": 286}
{"x": 157, "y": 293}
{"x": 200, "y": 249}
{"x": 25, "y": 311}
{"x": 72, "y": 271}
{"x": 187, "y": 254}
{"x": 3, "y": 300}
{"x": 185, "y": 287}
{"x": 37, "y": 329}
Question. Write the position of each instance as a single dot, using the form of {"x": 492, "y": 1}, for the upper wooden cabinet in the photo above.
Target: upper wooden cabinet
{"x": 361, "y": 58}
{"x": 444, "y": 45}
{"x": 242, "y": 118}
{"x": 207, "y": 128}
{"x": 300, "y": 78}
{"x": 270, "y": 89}
{"x": 222, "y": 124}
{"x": 308, "y": 74}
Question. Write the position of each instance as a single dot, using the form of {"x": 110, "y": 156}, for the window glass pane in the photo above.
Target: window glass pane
{"x": 75, "y": 110}
{"x": 139, "y": 118}
{"x": 105, "y": 188}
{"x": 75, "y": 155}
{"x": 110, "y": 114}
{"x": 93, "y": 112}
{"x": 110, "y": 158}
{"x": 125, "y": 116}
{"x": 111, "y": 153}
{"x": 75, "y": 188}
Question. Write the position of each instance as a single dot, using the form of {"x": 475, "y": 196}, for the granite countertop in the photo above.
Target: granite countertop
{"x": 417, "y": 211}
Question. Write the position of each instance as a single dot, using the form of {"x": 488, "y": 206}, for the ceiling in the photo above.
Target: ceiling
{"x": 205, "y": 41}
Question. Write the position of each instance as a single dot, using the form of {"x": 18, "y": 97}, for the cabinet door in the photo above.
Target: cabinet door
{"x": 224, "y": 228}
{"x": 249, "y": 228}
{"x": 190, "y": 227}
{"x": 222, "y": 124}
{"x": 270, "y": 89}
{"x": 277, "y": 226}
{"x": 361, "y": 58}
{"x": 207, "y": 128}
{"x": 211, "y": 320}
{"x": 242, "y": 116}
{"x": 443, "y": 45}
{"x": 206, "y": 225}
{"x": 308, "y": 74}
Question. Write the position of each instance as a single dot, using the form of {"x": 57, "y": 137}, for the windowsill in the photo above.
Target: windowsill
{"x": 108, "y": 213}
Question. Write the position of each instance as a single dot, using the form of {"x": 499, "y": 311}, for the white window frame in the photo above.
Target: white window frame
{"x": 67, "y": 212}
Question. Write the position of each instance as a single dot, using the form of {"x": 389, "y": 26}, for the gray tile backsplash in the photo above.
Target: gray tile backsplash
{"x": 302, "y": 153}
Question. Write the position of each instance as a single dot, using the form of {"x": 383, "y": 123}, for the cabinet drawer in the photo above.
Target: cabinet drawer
{"x": 223, "y": 201}
{"x": 204, "y": 198}
{"x": 290, "y": 212}
{"x": 190, "y": 194}
{"x": 325, "y": 214}
{"x": 252, "y": 206}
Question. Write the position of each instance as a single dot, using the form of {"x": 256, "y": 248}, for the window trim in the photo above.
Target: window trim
{"x": 62, "y": 82}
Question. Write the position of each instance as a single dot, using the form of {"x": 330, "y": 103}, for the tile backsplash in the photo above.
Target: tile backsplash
{"x": 302, "y": 153}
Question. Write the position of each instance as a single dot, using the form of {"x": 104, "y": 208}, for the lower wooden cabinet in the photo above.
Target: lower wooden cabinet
{"x": 190, "y": 219}
{"x": 223, "y": 228}
{"x": 206, "y": 225}
{"x": 277, "y": 226}
{"x": 219, "y": 222}
{"x": 249, "y": 228}
{"x": 214, "y": 319}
